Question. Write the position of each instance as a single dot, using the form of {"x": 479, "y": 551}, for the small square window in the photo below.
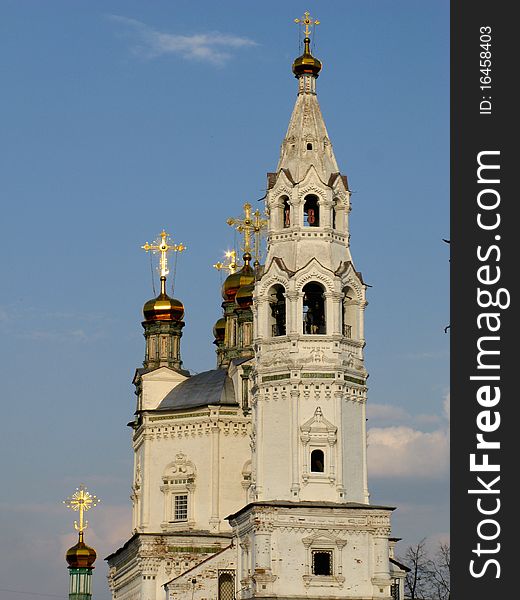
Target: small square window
{"x": 181, "y": 507}
{"x": 322, "y": 562}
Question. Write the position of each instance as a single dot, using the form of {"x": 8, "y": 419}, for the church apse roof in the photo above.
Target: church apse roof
{"x": 210, "y": 387}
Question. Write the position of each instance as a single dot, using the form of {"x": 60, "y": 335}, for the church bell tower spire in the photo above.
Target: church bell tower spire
{"x": 309, "y": 310}
{"x": 309, "y": 521}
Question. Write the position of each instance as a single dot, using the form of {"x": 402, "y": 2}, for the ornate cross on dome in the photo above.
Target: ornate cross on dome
{"x": 81, "y": 501}
{"x": 258, "y": 225}
{"x": 163, "y": 246}
{"x": 251, "y": 225}
{"x": 231, "y": 265}
{"x": 308, "y": 21}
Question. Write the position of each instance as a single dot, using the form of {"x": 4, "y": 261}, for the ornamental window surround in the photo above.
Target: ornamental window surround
{"x": 178, "y": 487}
{"x": 318, "y": 437}
{"x": 324, "y": 560}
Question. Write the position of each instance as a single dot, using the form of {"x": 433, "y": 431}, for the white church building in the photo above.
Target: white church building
{"x": 250, "y": 480}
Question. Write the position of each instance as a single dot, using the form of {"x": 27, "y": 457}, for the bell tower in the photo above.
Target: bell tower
{"x": 309, "y": 310}
{"x": 310, "y": 530}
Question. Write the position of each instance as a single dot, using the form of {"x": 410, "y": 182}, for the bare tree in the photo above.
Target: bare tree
{"x": 439, "y": 569}
{"x": 428, "y": 578}
{"x": 416, "y": 559}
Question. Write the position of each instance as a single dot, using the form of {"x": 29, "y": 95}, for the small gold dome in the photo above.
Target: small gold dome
{"x": 306, "y": 63}
{"x": 80, "y": 555}
{"x": 163, "y": 308}
{"x": 219, "y": 329}
{"x": 244, "y": 296}
{"x": 235, "y": 281}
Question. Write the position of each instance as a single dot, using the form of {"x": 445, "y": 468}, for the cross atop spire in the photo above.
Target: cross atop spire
{"x": 308, "y": 22}
{"x": 81, "y": 501}
{"x": 161, "y": 245}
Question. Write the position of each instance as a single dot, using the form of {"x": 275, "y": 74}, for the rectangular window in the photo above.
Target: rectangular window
{"x": 180, "y": 509}
{"x": 322, "y": 562}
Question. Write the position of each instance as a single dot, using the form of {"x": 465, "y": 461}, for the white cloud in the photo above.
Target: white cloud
{"x": 214, "y": 47}
{"x": 402, "y": 449}
{"x": 387, "y": 415}
{"x": 406, "y": 452}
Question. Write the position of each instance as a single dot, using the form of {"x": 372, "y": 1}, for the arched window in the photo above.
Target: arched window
{"x": 226, "y": 586}
{"x": 317, "y": 461}
{"x": 309, "y": 146}
{"x": 277, "y": 317}
{"x": 314, "y": 309}
{"x": 349, "y": 314}
{"x": 334, "y": 214}
{"x": 286, "y": 212}
{"x": 311, "y": 211}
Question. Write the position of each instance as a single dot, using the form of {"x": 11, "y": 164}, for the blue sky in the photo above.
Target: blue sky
{"x": 121, "y": 118}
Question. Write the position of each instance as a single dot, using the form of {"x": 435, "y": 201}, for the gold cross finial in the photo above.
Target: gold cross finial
{"x": 163, "y": 246}
{"x": 231, "y": 265}
{"x": 244, "y": 226}
{"x": 81, "y": 501}
{"x": 258, "y": 225}
{"x": 308, "y": 21}
{"x": 251, "y": 225}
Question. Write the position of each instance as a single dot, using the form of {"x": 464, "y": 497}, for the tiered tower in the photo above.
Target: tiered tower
{"x": 310, "y": 530}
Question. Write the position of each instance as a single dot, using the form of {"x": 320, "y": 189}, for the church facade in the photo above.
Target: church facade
{"x": 250, "y": 480}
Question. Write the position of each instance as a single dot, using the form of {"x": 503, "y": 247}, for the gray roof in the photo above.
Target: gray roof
{"x": 209, "y": 387}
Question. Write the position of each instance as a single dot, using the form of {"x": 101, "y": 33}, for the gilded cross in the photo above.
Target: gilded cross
{"x": 231, "y": 264}
{"x": 251, "y": 225}
{"x": 258, "y": 225}
{"x": 308, "y": 21}
{"x": 81, "y": 501}
{"x": 163, "y": 246}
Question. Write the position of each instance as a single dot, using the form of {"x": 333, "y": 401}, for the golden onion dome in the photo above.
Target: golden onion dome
{"x": 244, "y": 296}
{"x": 306, "y": 63}
{"x": 235, "y": 281}
{"x": 163, "y": 308}
{"x": 80, "y": 555}
{"x": 219, "y": 329}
